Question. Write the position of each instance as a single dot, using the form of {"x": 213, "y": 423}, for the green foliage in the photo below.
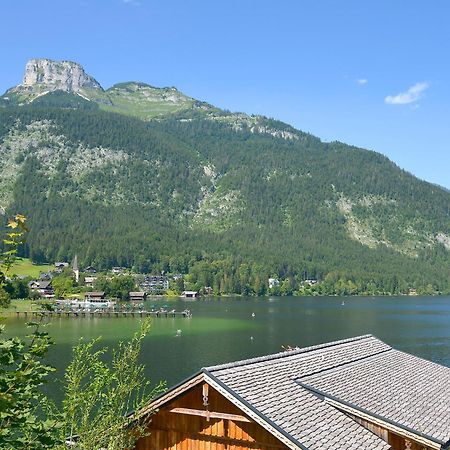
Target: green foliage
{"x": 99, "y": 396}
{"x": 115, "y": 287}
{"x": 14, "y": 238}
{"x": 5, "y": 299}
{"x": 17, "y": 288}
{"x": 26, "y": 415}
{"x": 64, "y": 284}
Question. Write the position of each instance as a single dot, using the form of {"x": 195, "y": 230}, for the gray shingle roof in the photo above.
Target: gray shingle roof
{"x": 401, "y": 388}
{"x": 41, "y": 284}
{"x": 269, "y": 385}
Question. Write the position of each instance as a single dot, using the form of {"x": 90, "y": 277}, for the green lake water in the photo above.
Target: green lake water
{"x": 222, "y": 330}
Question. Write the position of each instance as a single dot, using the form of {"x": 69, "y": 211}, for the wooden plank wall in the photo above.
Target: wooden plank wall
{"x": 394, "y": 440}
{"x": 173, "y": 431}
{"x": 400, "y": 443}
{"x": 376, "y": 429}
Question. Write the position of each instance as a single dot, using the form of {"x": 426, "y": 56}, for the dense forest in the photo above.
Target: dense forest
{"x": 228, "y": 200}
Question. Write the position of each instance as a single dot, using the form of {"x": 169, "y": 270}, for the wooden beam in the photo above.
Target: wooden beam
{"x": 210, "y": 414}
{"x": 205, "y": 393}
{"x": 221, "y": 440}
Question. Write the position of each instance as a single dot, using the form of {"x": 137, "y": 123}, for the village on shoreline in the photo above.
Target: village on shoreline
{"x": 65, "y": 287}
{"x": 65, "y": 281}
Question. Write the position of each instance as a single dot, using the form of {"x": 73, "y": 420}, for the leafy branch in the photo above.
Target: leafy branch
{"x": 13, "y": 240}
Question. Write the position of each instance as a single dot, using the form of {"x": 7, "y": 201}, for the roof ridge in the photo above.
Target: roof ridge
{"x": 303, "y": 379}
{"x": 284, "y": 354}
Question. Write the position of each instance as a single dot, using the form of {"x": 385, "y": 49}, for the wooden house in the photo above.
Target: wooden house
{"x": 89, "y": 281}
{"x": 94, "y": 296}
{"x": 358, "y": 393}
{"x": 60, "y": 266}
{"x": 189, "y": 294}
{"x": 43, "y": 287}
{"x": 137, "y": 296}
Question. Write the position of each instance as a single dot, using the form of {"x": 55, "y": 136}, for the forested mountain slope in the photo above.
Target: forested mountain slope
{"x": 232, "y": 199}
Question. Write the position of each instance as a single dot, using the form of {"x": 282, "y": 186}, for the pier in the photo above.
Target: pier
{"x": 103, "y": 313}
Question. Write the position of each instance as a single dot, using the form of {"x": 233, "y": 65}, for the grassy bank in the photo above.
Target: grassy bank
{"x": 22, "y": 305}
{"x": 25, "y": 267}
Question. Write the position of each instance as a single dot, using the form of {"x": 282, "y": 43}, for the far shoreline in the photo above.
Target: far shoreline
{"x": 26, "y": 305}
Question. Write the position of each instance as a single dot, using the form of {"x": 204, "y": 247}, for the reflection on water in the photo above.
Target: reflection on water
{"x": 223, "y": 330}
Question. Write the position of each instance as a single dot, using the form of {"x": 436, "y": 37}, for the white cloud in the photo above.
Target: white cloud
{"x": 362, "y": 81}
{"x": 413, "y": 94}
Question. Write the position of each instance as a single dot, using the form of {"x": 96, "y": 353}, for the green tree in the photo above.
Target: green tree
{"x": 26, "y": 415}
{"x": 64, "y": 283}
{"x": 99, "y": 396}
{"x": 5, "y": 299}
{"x": 17, "y": 287}
{"x": 118, "y": 287}
{"x": 14, "y": 238}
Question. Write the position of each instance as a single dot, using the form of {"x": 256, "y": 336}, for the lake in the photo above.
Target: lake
{"x": 224, "y": 329}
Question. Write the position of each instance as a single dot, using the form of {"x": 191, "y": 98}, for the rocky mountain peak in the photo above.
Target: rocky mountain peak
{"x": 65, "y": 75}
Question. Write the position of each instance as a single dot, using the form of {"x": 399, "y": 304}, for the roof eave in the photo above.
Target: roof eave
{"x": 175, "y": 391}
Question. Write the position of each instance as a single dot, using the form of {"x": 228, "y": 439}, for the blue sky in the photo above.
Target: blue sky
{"x": 375, "y": 74}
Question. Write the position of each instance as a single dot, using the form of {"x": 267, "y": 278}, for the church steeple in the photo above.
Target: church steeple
{"x": 75, "y": 268}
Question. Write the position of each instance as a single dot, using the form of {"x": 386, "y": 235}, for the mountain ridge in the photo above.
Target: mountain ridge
{"x": 45, "y": 76}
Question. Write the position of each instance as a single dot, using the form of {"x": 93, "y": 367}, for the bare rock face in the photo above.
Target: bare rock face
{"x": 65, "y": 75}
